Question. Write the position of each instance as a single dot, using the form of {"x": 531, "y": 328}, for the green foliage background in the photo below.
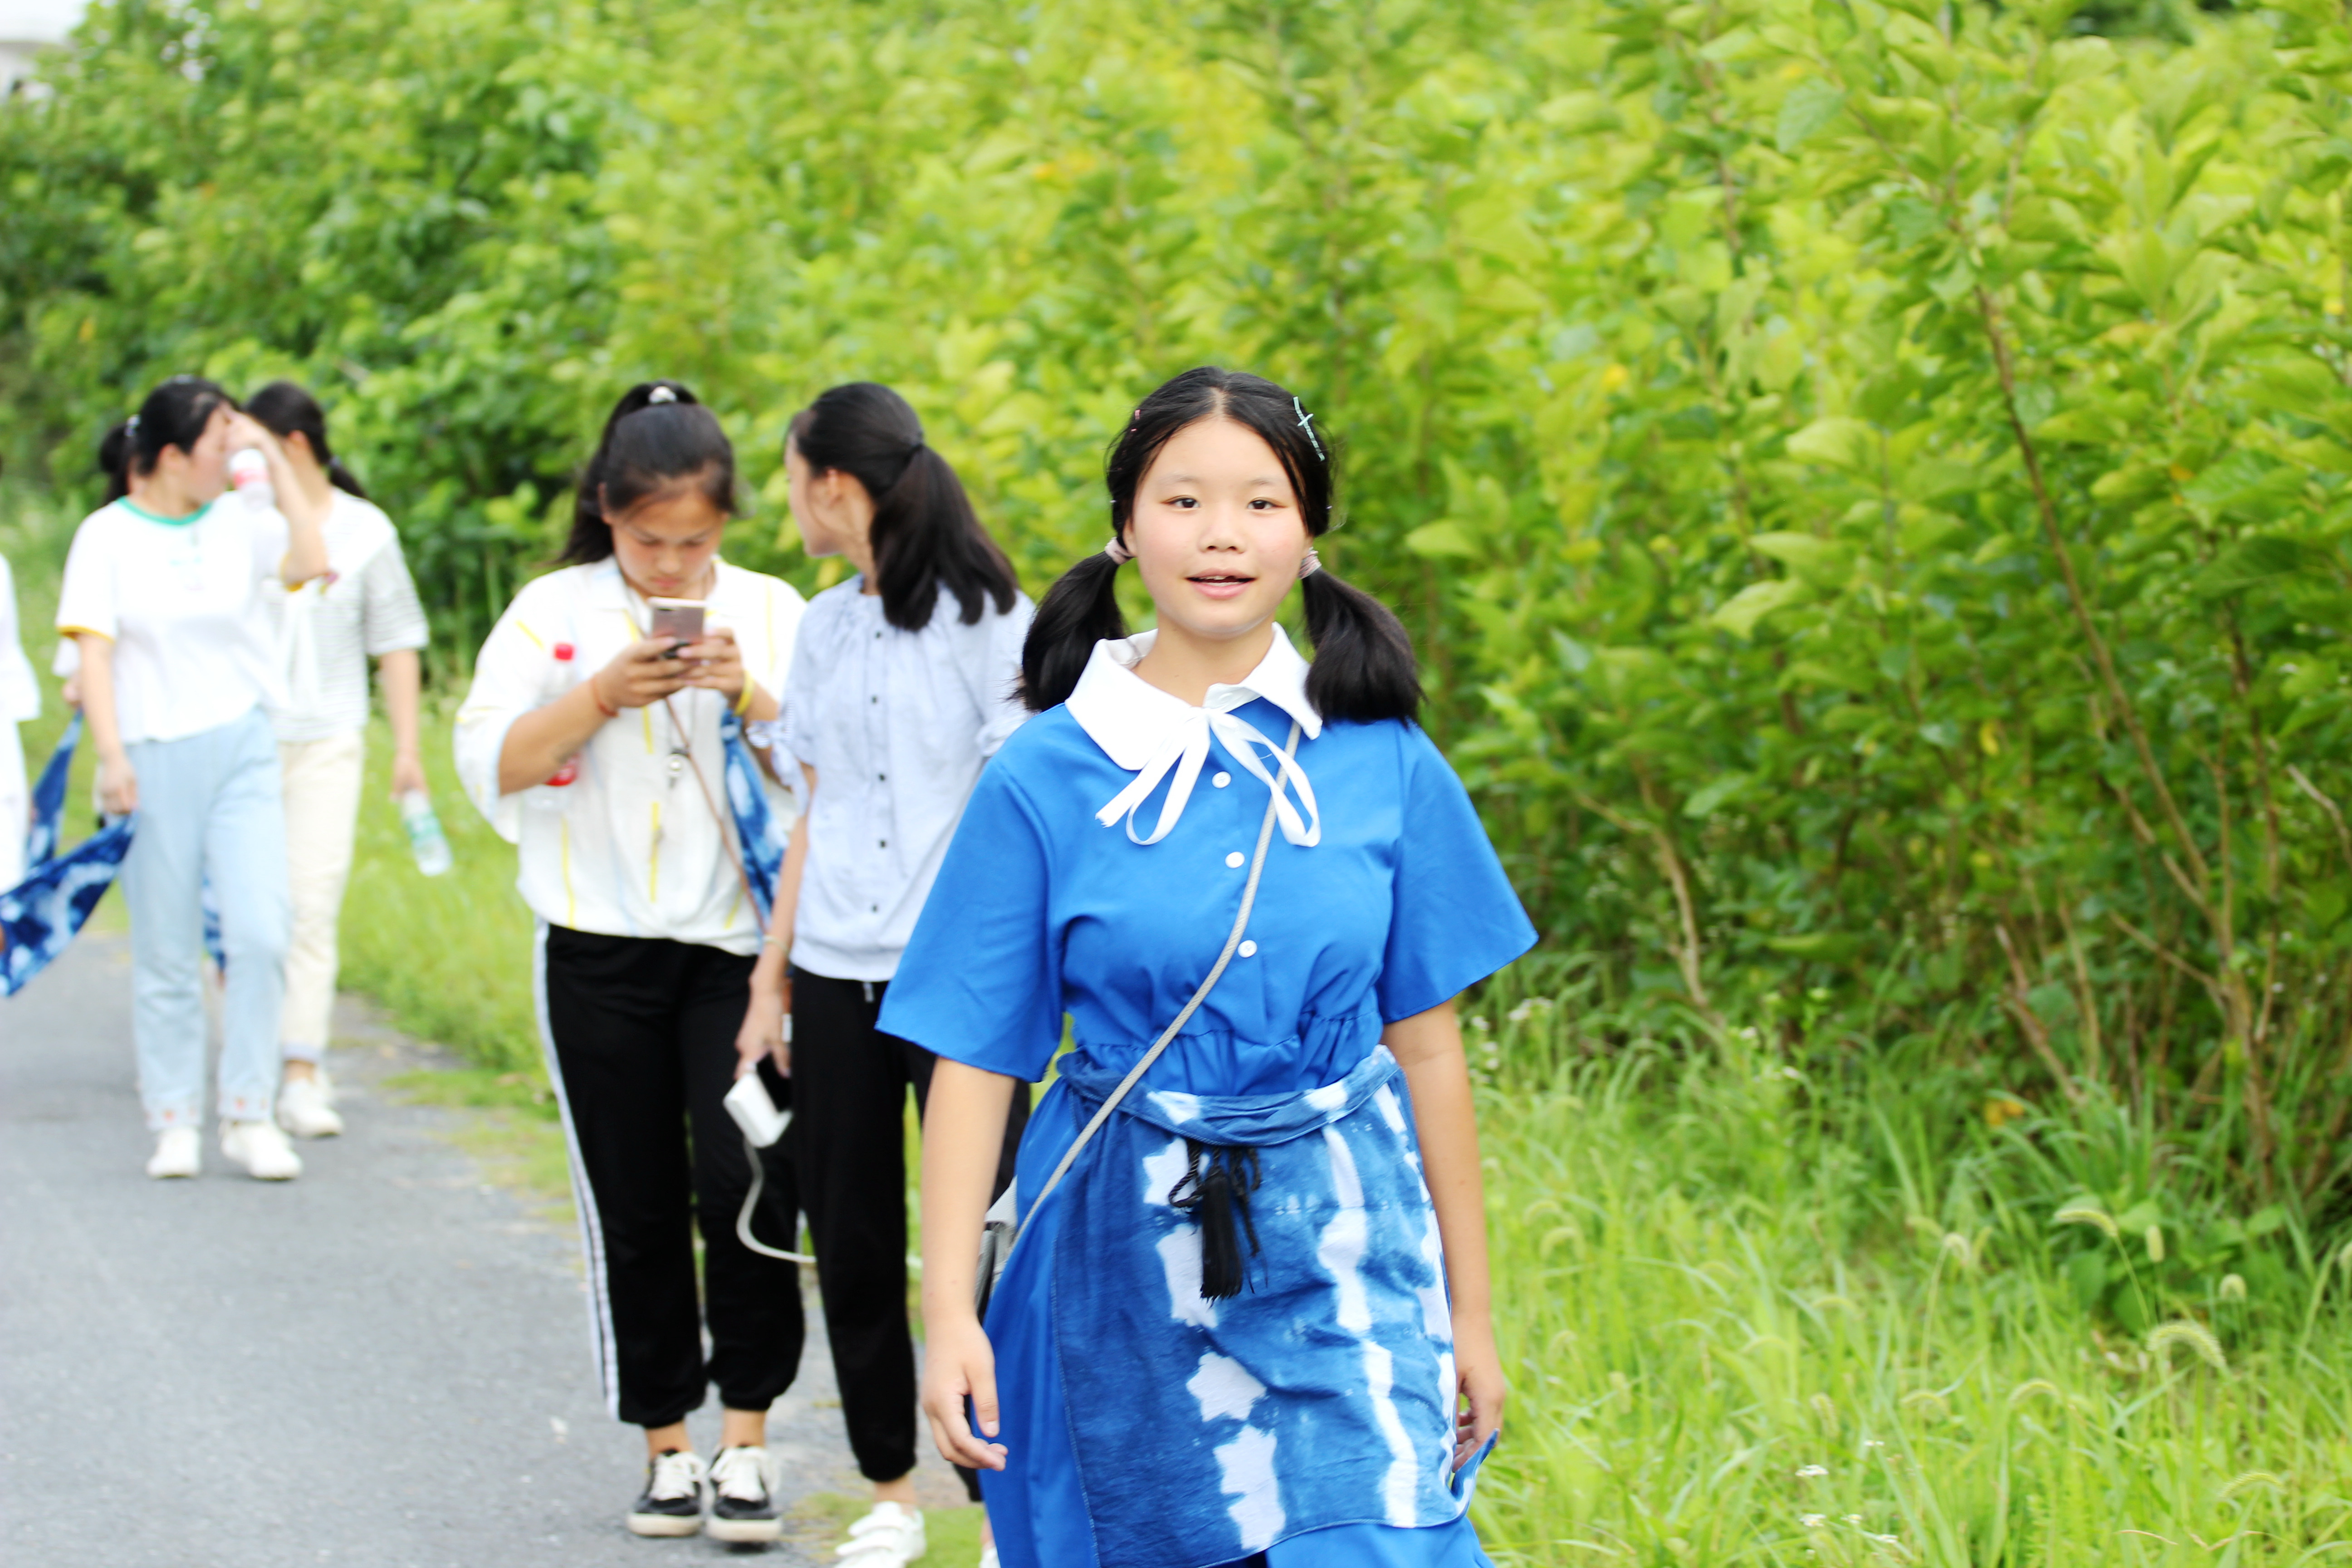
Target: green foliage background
{"x": 1869, "y": 482}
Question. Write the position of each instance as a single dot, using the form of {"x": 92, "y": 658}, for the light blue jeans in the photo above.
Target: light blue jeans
{"x": 209, "y": 808}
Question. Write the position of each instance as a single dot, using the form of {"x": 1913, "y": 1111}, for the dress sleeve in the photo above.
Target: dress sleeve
{"x": 1456, "y": 920}
{"x": 980, "y": 980}
{"x": 394, "y": 621}
{"x": 514, "y": 673}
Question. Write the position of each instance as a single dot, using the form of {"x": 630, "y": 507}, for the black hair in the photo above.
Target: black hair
{"x": 657, "y": 437}
{"x": 285, "y": 409}
{"x": 925, "y": 534}
{"x": 173, "y": 415}
{"x": 1364, "y": 667}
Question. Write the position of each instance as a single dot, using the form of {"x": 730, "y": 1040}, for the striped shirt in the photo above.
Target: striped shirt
{"x": 328, "y": 629}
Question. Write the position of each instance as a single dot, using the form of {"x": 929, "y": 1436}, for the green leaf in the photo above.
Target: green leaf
{"x": 1824, "y": 564}
{"x": 1441, "y": 537}
{"x": 1755, "y": 600}
{"x": 1837, "y": 441}
{"x": 2262, "y": 559}
{"x": 1811, "y": 105}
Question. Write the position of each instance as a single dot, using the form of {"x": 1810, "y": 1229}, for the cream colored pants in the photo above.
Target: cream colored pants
{"x": 322, "y": 810}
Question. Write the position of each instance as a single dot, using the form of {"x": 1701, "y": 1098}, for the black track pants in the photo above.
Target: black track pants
{"x": 641, "y": 1045}
{"x": 848, "y": 1149}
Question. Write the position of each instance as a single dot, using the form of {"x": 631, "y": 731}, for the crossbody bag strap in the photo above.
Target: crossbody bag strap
{"x": 1232, "y": 940}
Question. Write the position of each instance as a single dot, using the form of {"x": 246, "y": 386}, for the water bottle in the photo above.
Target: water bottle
{"x": 568, "y": 772}
{"x": 249, "y": 471}
{"x": 425, "y": 837}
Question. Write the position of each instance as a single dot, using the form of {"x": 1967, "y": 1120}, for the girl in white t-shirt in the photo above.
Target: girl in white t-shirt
{"x": 164, "y": 592}
{"x": 363, "y": 606}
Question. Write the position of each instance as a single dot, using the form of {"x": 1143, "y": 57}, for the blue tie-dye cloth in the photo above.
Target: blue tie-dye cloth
{"x": 40, "y": 916}
{"x": 756, "y": 828}
{"x": 1324, "y": 1393}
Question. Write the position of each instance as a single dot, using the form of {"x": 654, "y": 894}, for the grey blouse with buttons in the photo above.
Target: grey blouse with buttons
{"x": 898, "y": 725}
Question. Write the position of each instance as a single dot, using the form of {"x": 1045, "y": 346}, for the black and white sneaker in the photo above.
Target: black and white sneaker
{"x": 672, "y": 1504}
{"x": 742, "y": 1506}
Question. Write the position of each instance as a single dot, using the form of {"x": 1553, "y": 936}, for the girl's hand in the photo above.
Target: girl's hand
{"x": 244, "y": 430}
{"x": 1478, "y": 1371}
{"x": 118, "y": 786}
{"x": 715, "y": 663}
{"x": 641, "y": 673}
{"x": 762, "y": 1034}
{"x": 407, "y": 774}
{"x": 958, "y": 1364}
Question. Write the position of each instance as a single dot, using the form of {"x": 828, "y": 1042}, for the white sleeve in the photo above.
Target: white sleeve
{"x": 514, "y": 673}
{"x": 998, "y": 688}
{"x": 20, "y": 693}
{"x": 88, "y": 600}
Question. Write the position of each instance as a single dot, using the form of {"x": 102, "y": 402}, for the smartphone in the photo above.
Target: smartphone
{"x": 679, "y": 618}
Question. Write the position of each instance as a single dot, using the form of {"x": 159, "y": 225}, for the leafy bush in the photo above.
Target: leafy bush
{"x": 1869, "y": 479}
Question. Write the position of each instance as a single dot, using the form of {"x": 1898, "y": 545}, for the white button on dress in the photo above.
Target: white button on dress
{"x": 1222, "y": 780}
{"x": 1247, "y": 950}
{"x": 1235, "y": 860}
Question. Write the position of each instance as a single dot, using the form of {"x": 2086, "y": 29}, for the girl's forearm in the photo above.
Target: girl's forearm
{"x": 963, "y": 1131}
{"x": 98, "y": 694}
{"x": 1428, "y": 1046}
{"x": 404, "y": 682}
{"x": 537, "y": 743}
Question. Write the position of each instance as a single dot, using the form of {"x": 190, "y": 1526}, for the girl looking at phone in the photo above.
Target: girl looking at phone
{"x": 591, "y": 739}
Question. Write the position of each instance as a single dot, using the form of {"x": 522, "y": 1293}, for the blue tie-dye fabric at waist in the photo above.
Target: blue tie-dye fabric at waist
{"x": 1323, "y": 1395}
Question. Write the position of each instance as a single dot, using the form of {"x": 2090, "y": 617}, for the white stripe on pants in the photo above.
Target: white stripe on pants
{"x": 322, "y": 808}
{"x": 208, "y": 808}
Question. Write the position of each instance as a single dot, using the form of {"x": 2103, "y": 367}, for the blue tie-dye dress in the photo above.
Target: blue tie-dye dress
{"x": 1309, "y": 1418}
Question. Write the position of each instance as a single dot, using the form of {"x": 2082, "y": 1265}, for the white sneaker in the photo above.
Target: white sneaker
{"x": 889, "y": 1537}
{"x": 306, "y": 1109}
{"x": 178, "y": 1153}
{"x": 261, "y": 1149}
{"x": 672, "y": 1503}
{"x": 742, "y": 1504}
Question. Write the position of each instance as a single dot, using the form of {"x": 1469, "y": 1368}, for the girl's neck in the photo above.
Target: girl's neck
{"x": 860, "y": 554}
{"x": 1185, "y": 666}
{"x": 164, "y": 497}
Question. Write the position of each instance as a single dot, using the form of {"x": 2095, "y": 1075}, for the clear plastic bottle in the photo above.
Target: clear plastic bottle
{"x": 425, "y": 840}
{"x": 565, "y": 776}
{"x": 248, "y": 472}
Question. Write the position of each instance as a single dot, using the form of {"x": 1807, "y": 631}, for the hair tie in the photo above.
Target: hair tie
{"x": 1118, "y": 551}
{"x": 917, "y": 445}
{"x": 661, "y": 394}
{"x": 1310, "y": 565}
{"x": 131, "y": 426}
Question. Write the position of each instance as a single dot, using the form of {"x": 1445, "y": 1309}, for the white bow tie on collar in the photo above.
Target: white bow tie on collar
{"x": 1187, "y": 747}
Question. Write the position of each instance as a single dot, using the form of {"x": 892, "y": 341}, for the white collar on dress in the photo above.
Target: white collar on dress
{"x": 1150, "y": 732}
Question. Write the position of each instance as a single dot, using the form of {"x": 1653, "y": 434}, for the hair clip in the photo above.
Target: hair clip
{"x": 1133, "y": 420}
{"x": 131, "y": 426}
{"x": 662, "y": 394}
{"x": 1118, "y": 551}
{"x": 1310, "y": 565}
{"x": 1307, "y": 423}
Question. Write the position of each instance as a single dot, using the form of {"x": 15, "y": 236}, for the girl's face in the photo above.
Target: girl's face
{"x": 835, "y": 513}
{"x": 1216, "y": 532}
{"x": 201, "y": 472}
{"x": 667, "y": 543}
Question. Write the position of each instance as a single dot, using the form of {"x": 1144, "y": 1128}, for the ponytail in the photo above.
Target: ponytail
{"x": 287, "y": 410}
{"x": 173, "y": 415}
{"x": 925, "y": 535}
{"x": 1364, "y": 667}
{"x": 659, "y": 437}
{"x": 1078, "y": 611}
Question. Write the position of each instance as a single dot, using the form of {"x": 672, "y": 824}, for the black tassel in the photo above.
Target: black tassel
{"x": 1218, "y": 1198}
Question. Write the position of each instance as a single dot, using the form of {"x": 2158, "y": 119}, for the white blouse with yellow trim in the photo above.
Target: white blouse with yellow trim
{"x": 631, "y": 848}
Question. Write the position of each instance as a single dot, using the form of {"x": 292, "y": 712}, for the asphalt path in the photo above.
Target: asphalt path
{"x": 384, "y": 1364}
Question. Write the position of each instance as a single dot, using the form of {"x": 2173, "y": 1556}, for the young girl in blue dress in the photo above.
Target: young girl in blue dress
{"x": 1250, "y": 1324}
